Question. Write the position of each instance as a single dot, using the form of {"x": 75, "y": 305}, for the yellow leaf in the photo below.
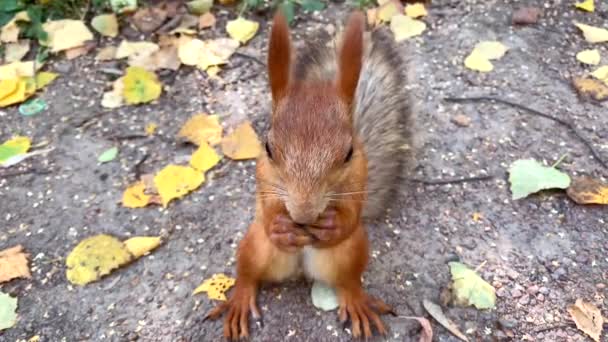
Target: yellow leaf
{"x": 588, "y": 87}
{"x": 13, "y": 264}
{"x": 44, "y": 78}
{"x": 242, "y": 29}
{"x": 107, "y": 53}
{"x": 415, "y": 10}
{"x": 241, "y": 144}
{"x": 8, "y": 87}
{"x": 477, "y": 217}
{"x": 206, "y": 53}
{"x": 175, "y": 181}
{"x": 141, "y": 245}
{"x": 17, "y": 96}
{"x": 593, "y": 34}
{"x": 10, "y": 31}
{"x": 18, "y": 69}
{"x": 95, "y": 257}
{"x": 586, "y": 190}
{"x": 587, "y": 318}
{"x": 202, "y": 128}
{"x": 204, "y": 158}
{"x": 151, "y": 128}
{"x": 213, "y": 71}
{"x": 586, "y": 5}
{"x": 600, "y": 73}
{"x": 216, "y": 286}
{"x": 135, "y": 197}
{"x": 404, "y": 27}
{"x": 66, "y": 34}
{"x": 480, "y": 57}
{"x": 135, "y": 50}
{"x": 388, "y": 10}
{"x": 106, "y": 24}
{"x": 591, "y": 57}
{"x": 190, "y": 50}
{"x": 14, "y": 52}
{"x": 141, "y": 86}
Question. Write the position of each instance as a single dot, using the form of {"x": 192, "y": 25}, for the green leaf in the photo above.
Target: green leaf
{"x": 199, "y": 7}
{"x": 108, "y": 155}
{"x": 469, "y": 289}
{"x": 10, "y": 5}
{"x": 289, "y": 10}
{"x": 528, "y": 176}
{"x": 323, "y": 296}
{"x": 312, "y": 5}
{"x": 34, "y": 29}
{"x": 8, "y": 308}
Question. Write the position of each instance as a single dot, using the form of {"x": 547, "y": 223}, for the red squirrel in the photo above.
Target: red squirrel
{"x": 335, "y": 150}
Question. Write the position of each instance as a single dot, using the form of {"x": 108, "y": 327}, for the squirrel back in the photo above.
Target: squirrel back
{"x": 382, "y": 114}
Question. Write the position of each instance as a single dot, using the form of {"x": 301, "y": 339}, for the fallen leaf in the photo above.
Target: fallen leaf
{"x": 482, "y": 53}
{"x": 114, "y": 98}
{"x": 590, "y": 88}
{"x": 45, "y": 78}
{"x": 586, "y": 190}
{"x": 593, "y": 34}
{"x": 106, "y": 25}
{"x": 141, "y": 86}
{"x": 202, "y": 128}
{"x": 478, "y": 62}
{"x": 526, "y": 16}
{"x": 141, "y": 245}
{"x": 437, "y": 313}
{"x": 427, "y": 331}
{"x": 324, "y": 297}
{"x": 601, "y": 74}
{"x": 372, "y": 17}
{"x": 13, "y": 264}
{"x": 14, "y": 52}
{"x": 18, "y": 69}
{"x": 8, "y": 311}
{"x": 216, "y": 286}
{"x": 206, "y": 20}
{"x": 588, "y": 318}
{"x": 242, "y": 29}
{"x": 79, "y": 50}
{"x": 528, "y": 176}
{"x": 206, "y": 53}
{"x": 165, "y": 58}
{"x": 186, "y": 25}
{"x": 135, "y": 50}
{"x": 135, "y": 197}
{"x": 213, "y": 71}
{"x": 18, "y": 94}
{"x": 66, "y": 34}
{"x": 8, "y": 87}
{"x": 151, "y": 128}
{"x": 13, "y": 147}
{"x": 404, "y": 27}
{"x": 175, "y": 181}
{"x": 10, "y": 31}
{"x": 149, "y": 19}
{"x": 123, "y": 6}
{"x": 204, "y": 158}
{"x": 199, "y": 7}
{"x": 586, "y": 5}
{"x": 108, "y": 155}
{"x": 107, "y": 53}
{"x": 469, "y": 289}
{"x": 95, "y": 257}
{"x": 241, "y": 144}
{"x": 461, "y": 120}
{"x": 415, "y": 10}
{"x": 477, "y": 217}
{"x": 591, "y": 57}
{"x": 388, "y": 10}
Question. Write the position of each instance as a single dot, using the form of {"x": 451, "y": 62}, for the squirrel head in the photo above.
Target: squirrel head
{"x": 312, "y": 154}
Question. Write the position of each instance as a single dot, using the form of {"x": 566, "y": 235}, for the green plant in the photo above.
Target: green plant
{"x": 287, "y": 6}
{"x": 362, "y": 4}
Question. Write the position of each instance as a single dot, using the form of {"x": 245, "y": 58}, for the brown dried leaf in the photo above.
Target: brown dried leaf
{"x": 461, "y": 120}
{"x": 588, "y": 318}
{"x": 13, "y": 264}
{"x": 79, "y": 51}
{"x": 586, "y": 190}
{"x": 206, "y": 20}
{"x": 427, "y": 331}
{"x": 437, "y": 313}
{"x": 526, "y": 16}
{"x": 149, "y": 19}
{"x": 591, "y": 88}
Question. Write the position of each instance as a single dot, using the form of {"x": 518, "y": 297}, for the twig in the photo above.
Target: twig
{"x": 253, "y": 58}
{"x": 481, "y": 266}
{"x": 137, "y": 166}
{"x": 453, "y": 180}
{"x": 14, "y": 173}
{"x": 561, "y": 159}
{"x": 554, "y": 326}
{"x": 562, "y": 122}
{"x": 132, "y": 136}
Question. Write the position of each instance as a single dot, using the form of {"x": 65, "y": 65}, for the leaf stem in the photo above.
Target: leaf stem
{"x": 559, "y": 160}
{"x": 480, "y": 266}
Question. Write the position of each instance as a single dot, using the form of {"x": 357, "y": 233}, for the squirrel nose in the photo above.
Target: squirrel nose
{"x": 302, "y": 213}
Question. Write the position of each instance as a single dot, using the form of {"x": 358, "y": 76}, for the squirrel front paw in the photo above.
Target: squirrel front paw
{"x": 287, "y": 235}
{"x": 237, "y": 307}
{"x": 327, "y": 228}
{"x": 362, "y": 309}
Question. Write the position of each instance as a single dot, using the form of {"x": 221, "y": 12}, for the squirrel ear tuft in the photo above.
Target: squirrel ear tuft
{"x": 350, "y": 57}
{"x": 279, "y": 57}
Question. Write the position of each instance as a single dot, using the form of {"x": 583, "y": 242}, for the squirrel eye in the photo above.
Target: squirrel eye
{"x": 268, "y": 152}
{"x": 349, "y": 156}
